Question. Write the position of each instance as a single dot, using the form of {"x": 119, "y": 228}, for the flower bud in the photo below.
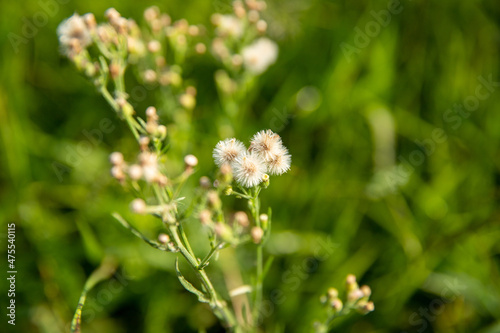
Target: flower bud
{"x": 224, "y": 232}
{"x": 241, "y": 218}
{"x": 163, "y": 238}
{"x": 116, "y": 158}
{"x": 265, "y": 180}
{"x": 200, "y": 48}
{"x": 366, "y": 291}
{"x": 117, "y": 172}
{"x": 253, "y": 16}
{"x": 154, "y": 46}
{"x": 354, "y": 295}
{"x": 333, "y": 293}
{"x": 214, "y": 200}
{"x": 190, "y": 161}
{"x": 367, "y": 308}
{"x": 138, "y": 206}
{"x": 351, "y": 282}
{"x": 228, "y": 190}
{"x": 257, "y": 234}
{"x": 187, "y": 101}
{"x": 135, "y": 172}
{"x": 337, "y": 305}
{"x": 205, "y": 217}
{"x": 205, "y": 182}
{"x": 161, "y": 131}
{"x": 261, "y": 26}
{"x": 264, "y": 220}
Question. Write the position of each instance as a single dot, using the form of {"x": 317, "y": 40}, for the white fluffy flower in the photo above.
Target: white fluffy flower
{"x": 266, "y": 143}
{"x": 229, "y": 25}
{"x": 73, "y": 34}
{"x": 227, "y": 151}
{"x": 280, "y": 162}
{"x": 249, "y": 169}
{"x": 258, "y": 56}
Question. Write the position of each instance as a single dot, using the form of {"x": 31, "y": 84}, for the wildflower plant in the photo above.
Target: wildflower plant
{"x": 157, "y": 53}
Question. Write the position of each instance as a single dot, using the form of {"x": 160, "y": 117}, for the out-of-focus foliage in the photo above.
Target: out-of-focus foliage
{"x": 391, "y": 179}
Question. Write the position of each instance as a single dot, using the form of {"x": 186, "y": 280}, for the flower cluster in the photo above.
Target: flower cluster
{"x": 240, "y": 42}
{"x": 356, "y": 298}
{"x": 266, "y": 154}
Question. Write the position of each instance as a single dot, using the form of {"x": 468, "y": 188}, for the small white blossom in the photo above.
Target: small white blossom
{"x": 74, "y": 35}
{"x": 249, "y": 169}
{"x": 258, "y": 56}
{"x": 227, "y": 151}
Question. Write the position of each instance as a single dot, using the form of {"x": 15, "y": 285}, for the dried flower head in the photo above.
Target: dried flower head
{"x": 227, "y": 151}
{"x": 266, "y": 143}
{"x": 280, "y": 162}
{"x": 258, "y": 56}
{"x": 249, "y": 169}
{"x": 74, "y": 35}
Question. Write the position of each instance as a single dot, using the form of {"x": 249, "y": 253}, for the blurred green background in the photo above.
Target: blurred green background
{"x": 395, "y": 169}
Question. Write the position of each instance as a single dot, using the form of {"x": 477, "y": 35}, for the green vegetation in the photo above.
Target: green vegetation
{"x": 392, "y": 124}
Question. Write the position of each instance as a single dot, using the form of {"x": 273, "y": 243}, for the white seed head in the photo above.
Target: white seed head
{"x": 280, "y": 162}
{"x": 266, "y": 143}
{"x": 138, "y": 206}
{"x": 263, "y": 218}
{"x": 191, "y": 161}
{"x": 258, "y": 56}
{"x": 74, "y": 35}
{"x": 249, "y": 169}
{"x": 227, "y": 151}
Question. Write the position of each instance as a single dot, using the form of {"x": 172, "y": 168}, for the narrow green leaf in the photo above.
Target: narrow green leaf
{"x": 103, "y": 272}
{"x": 267, "y": 266}
{"x": 188, "y": 286}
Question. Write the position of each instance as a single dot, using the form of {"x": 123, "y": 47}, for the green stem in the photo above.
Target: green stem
{"x": 220, "y": 309}
{"x": 210, "y": 254}
{"x": 255, "y": 203}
